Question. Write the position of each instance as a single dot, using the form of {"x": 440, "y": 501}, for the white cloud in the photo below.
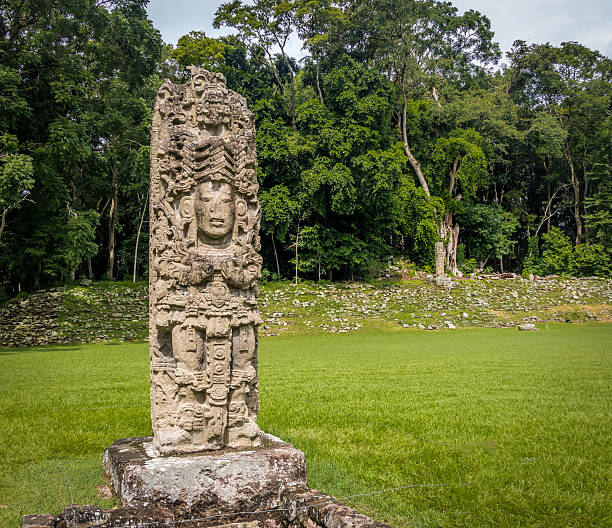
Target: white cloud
{"x": 536, "y": 21}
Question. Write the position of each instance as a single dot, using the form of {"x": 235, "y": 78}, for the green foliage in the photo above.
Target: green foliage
{"x": 77, "y": 80}
{"x": 392, "y": 130}
{"x": 278, "y": 211}
{"x": 560, "y": 257}
{"x": 15, "y": 179}
{"x": 328, "y": 250}
{"x": 488, "y": 231}
{"x": 196, "y": 49}
{"x": 599, "y": 216}
{"x": 80, "y": 237}
{"x": 329, "y": 187}
{"x": 590, "y": 259}
{"x": 458, "y": 163}
{"x": 469, "y": 266}
{"x": 556, "y": 253}
{"x": 547, "y": 136}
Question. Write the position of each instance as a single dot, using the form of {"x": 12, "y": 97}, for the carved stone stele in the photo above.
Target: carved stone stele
{"x": 204, "y": 266}
{"x": 439, "y": 258}
{"x": 203, "y": 269}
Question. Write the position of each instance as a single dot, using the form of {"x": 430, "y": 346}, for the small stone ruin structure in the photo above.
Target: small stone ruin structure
{"x": 207, "y": 464}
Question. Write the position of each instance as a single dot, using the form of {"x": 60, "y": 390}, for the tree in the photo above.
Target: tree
{"x": 16, "y": 179}
{"x": 458, "y": 169}
{"x": 76, "y": 77}
{"x": 269, "y": 24}
{"x": 80, "y": 235}
{"x": 278, "y": 211}
{"x": 428, "y": 51}
{"x": 246, "y": 69}
{"x": 316, "y": 20}
{"x": 422, "y": 46}
{"x": 196, "y": 49}
{"x": 488, "y": 232}
{"x": 570, "y": 83}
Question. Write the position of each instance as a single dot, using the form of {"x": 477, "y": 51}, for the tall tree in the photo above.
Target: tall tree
{"x": 80, "y": 68}
{"x": 458, "y": 169}
{"x": 428, "y": 50}
{"x": 269, "y": 24}
{"x": 571, "y": 83}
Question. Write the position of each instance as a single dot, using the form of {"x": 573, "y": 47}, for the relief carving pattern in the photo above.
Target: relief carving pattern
{"x": 204, "y": 267}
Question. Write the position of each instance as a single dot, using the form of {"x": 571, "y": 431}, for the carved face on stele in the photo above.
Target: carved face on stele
{"x": 215, "y": 209}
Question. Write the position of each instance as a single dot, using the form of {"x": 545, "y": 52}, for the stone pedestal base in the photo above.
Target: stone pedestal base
{"x": 205, "y": 484}
{"x": 263, "y": 487}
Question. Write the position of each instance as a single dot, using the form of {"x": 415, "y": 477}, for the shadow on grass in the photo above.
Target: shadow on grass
{"x": 42, "y": 348}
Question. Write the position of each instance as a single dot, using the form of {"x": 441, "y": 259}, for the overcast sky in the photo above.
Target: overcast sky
{"x": 536, "y": 21}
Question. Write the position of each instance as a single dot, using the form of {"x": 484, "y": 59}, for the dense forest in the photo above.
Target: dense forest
{"x": 403, "y": 126}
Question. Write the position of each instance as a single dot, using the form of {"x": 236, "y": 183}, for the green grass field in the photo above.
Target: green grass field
{"x": 514, "y": 426}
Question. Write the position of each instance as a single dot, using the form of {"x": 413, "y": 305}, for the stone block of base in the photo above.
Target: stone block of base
{"x": 200, "y": 485}
{"x": 309, "y": 509}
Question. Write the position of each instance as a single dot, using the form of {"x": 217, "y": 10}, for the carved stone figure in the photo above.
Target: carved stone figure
{"x": 204, "y": 268}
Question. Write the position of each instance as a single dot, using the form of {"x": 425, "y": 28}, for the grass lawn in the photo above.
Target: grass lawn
{"x": 515, "y": 425}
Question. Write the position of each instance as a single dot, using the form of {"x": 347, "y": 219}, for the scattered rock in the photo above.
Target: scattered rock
{"x": 443, "y": 280}
{"x": 527, "y": 327}
{"x": 105, "y": 492}
{"x": 112, "y": 311}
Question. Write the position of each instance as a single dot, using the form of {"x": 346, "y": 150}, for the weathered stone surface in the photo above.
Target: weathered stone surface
{"x": 205, "y": 484}
{"x": 38, "y": 520}
{"x": 439, "y": 252}
{"x": 311, "y": 509}
{"x": 527, "y": 327}
{"x": 79, "y": 516}
{"x": 443, "y": 280}
{"x": 204, "y": 268}
{"x": 305, "y": 509}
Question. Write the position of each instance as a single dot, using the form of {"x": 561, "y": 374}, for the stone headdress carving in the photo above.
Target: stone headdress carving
{"x": 204, "y": 267}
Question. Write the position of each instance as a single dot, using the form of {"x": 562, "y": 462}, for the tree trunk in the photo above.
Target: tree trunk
{"x": 447, "y": 232}
{"x": 2, "y": 223}
{"x": 413, "y": 161}
{"x": 276, "y": 75}
{"x": 292, "y": 75}
{"x": 89, "y": 268}
{"x": 548, "y": 221}
{"x": 276, "y": 256}
{"x": 144, "y": 209}
{"x": 297, "y": 243}
{"x": 586, "y": 189}
{"x": 112, "y": 221}
{"x": 452, "y": 250}
{"x": 483, "y": 264}
{"x": 576, "y": 187}
{"x": 293, "y": 126}
{"x": 319, "y": 84}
